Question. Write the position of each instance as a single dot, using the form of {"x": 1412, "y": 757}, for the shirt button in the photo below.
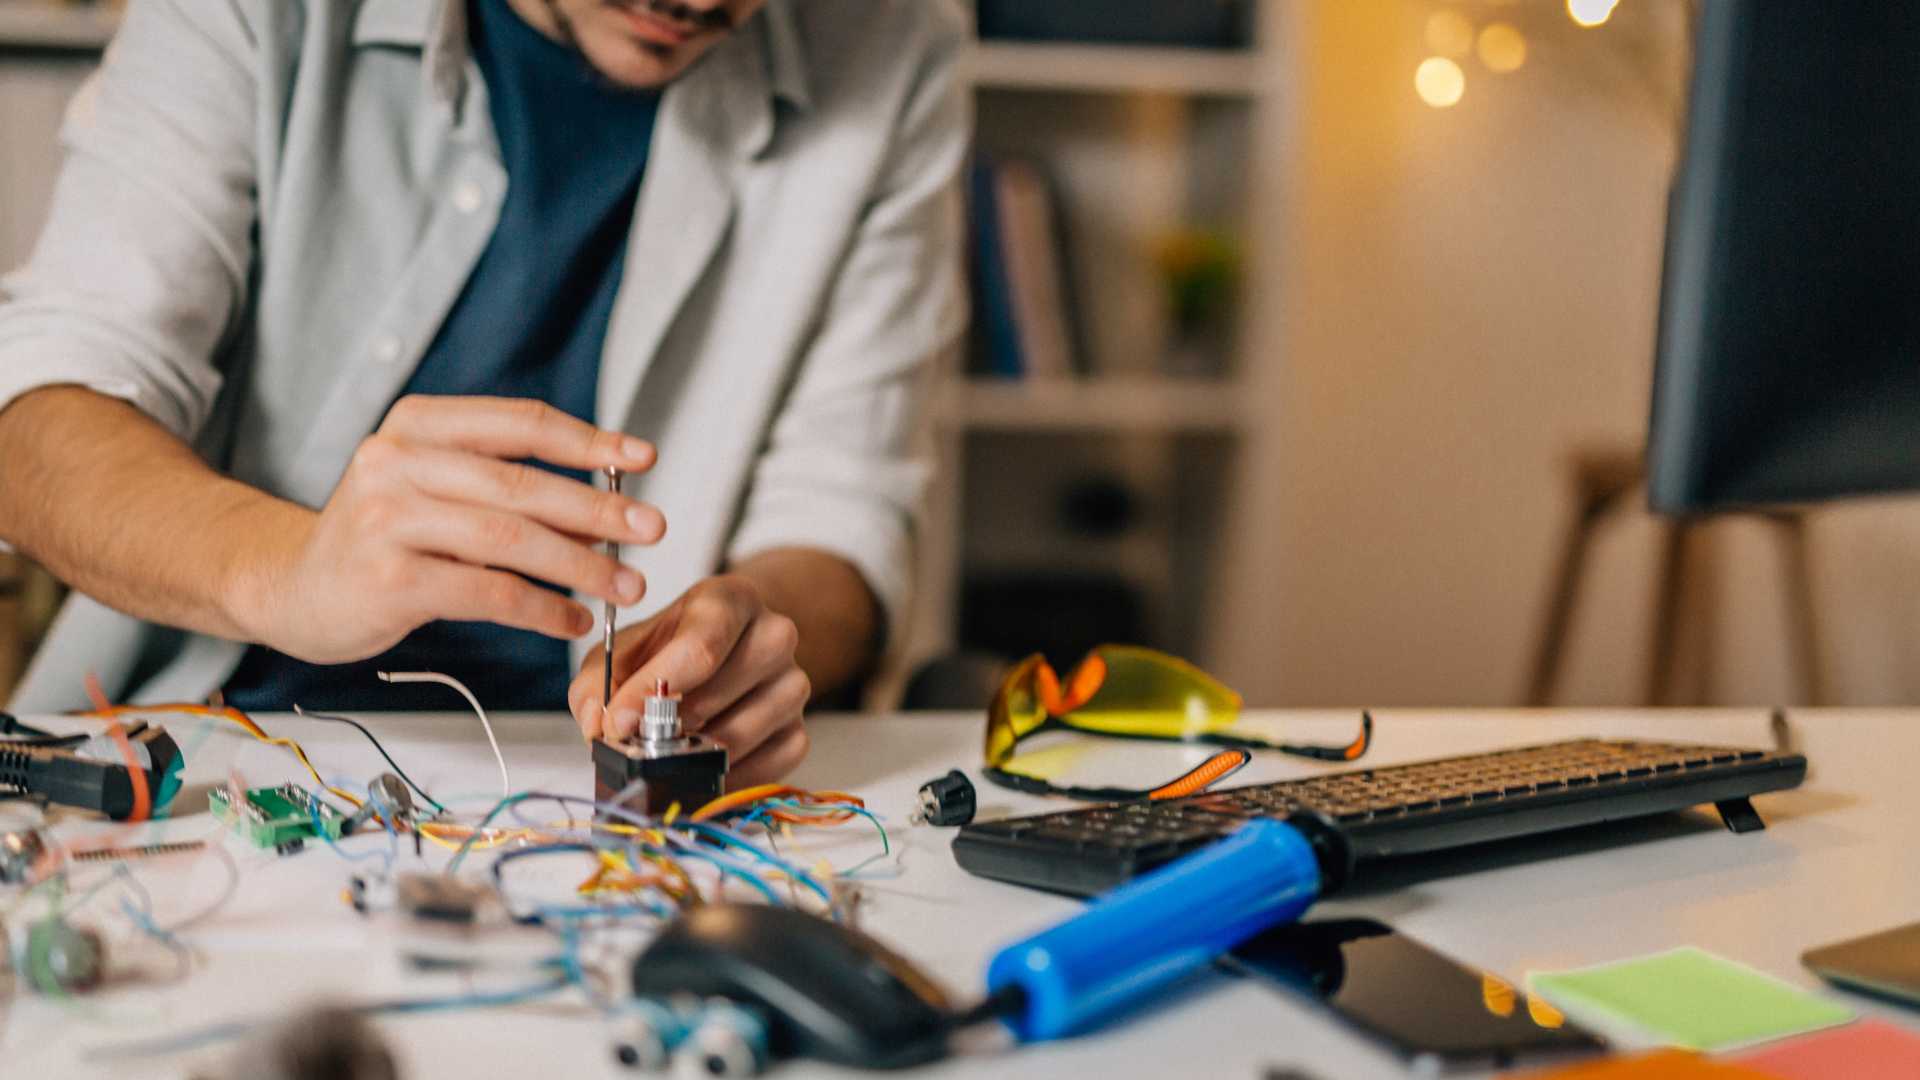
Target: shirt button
{"x": 467, "y": 197}
{"x": 386, "y": 349}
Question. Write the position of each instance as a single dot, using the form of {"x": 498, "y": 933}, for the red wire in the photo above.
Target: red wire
{"x": 142, "y": 798}
{"x": 136, "y": 773}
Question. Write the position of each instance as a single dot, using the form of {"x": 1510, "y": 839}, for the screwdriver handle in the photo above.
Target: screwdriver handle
{"x": 1130, "y": 943}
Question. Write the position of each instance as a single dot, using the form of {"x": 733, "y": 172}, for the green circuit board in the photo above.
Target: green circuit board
{"x": 273, "y": 817}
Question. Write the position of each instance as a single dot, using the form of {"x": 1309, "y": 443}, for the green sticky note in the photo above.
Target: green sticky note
{"x": 1687, "y": 997}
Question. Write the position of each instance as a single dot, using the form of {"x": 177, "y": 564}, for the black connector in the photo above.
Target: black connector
{"x": 949, "y": 800}
{"x": 60, "y": 776}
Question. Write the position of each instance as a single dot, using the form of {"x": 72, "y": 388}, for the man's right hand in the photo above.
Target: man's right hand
{"x": 437, "y": 517}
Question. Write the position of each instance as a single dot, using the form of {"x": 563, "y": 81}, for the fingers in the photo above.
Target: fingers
{"x": 494, "y": 538}
{"x": 572, "y": 508}
{"x": 762, "y": 715}
{"x": 775, "y": 759}
{"x": 512, "y": 428}
{"x": 584, "y": 694}
{"x": 704, "y": 631}
{"x": 448, "y": 590}
{"x": 767, "y": 645}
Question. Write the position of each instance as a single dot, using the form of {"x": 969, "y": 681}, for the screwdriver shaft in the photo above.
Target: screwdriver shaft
{"x": 613, "y": 551}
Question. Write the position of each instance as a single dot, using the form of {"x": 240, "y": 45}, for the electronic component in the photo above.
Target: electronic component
{"x": 80, "y": 776}
{"x": 282, "y": 818}
{"x": 663, "y": 766}
{"x": 387, "y": 796}
{"x": 440, "y": 898}
{"x": 61, "y": 958}
{"x": 20, "y": 850}
{"x": 1386, "y": 812}
{"x": 946, "y": 801}
{"x": 826, "y": 992}
{"x": 140, "y": 851}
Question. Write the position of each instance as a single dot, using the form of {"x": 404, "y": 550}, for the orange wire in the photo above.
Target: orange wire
{"x": 745, "y": 797}
{"x": 96, "y": 693}
{"x": 1210, "y": 772}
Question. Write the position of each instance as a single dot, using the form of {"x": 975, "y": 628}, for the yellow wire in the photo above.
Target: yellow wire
{"x": 246, "y": 723}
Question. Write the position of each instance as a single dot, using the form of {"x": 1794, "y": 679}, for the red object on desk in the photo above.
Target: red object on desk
{"x": 1868, "y": 1050}
{"x": 1658, "y": 1065}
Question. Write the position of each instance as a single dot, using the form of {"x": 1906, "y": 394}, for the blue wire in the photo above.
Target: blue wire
{"x": 747, "y": 876}
{"x": 886, "y": 844}
{"x": 730, "y": 840}
{"x": 320, "y": 830}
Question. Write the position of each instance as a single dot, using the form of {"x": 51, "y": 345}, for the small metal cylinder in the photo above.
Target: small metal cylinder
{"x": 660, "y": 720}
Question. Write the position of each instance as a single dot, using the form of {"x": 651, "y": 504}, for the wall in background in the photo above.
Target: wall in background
{"x": 1464, "y": 295}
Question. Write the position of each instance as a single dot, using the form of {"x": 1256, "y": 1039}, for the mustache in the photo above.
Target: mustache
{"x": 693, "y": 18}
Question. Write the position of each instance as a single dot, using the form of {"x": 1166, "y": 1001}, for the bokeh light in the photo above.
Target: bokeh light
{"x": 1439, "y": 82}
{"x": 1502, "y": 48}
{"x": 1449, "y": 33}
{"x": 1591, "y": 12}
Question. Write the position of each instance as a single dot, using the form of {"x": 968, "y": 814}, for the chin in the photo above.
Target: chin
{"x": 626, "y": 60}
{"x": 636, "y": 66}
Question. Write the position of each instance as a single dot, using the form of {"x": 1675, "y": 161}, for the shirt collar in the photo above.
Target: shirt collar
{"x": 439, "y": 29}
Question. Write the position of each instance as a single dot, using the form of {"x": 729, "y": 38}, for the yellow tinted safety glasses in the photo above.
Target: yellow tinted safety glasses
{"x": 1133, "y": 693}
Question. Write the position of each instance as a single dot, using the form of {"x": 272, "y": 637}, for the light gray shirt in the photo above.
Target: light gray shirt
{"x": 269, "y": 206}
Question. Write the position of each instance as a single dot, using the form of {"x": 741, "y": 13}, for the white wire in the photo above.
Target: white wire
{"x": 506, "y": 785}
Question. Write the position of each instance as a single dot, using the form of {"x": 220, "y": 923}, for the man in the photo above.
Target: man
{"x": 321, "y": 277}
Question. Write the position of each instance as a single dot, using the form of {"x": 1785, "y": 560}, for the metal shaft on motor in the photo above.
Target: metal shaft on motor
{"x": 660, "y": 722}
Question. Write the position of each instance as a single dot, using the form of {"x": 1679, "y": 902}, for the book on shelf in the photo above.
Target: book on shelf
{"x": 1024, "y": 324}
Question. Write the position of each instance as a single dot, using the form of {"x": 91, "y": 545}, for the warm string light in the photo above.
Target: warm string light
{"x": 1502, "y": 49}
{"x": 1591, "y": 12}
{"x": 1440, "y": 80}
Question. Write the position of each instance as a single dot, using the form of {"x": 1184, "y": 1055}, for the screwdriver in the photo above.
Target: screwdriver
{"x": 613, "y": 552}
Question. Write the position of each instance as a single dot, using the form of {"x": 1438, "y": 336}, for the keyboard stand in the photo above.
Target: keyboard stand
{"x": 1740, "y": 815}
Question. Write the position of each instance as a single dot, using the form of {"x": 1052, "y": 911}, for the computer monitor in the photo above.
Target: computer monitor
{"x": 1789, "y": 343}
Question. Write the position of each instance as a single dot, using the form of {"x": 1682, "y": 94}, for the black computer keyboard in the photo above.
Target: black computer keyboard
{"x": 1398, "y": 810}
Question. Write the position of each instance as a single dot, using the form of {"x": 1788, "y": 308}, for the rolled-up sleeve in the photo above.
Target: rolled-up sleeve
{"x": 843, "y": 470}
{"x": 142, "y": 266}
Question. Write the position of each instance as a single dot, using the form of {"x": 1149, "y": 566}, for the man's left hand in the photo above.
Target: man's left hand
{"x": 730, "y": 657}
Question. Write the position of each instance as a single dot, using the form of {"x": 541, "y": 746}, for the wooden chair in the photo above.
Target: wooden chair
{"x": 1603, "y": 479}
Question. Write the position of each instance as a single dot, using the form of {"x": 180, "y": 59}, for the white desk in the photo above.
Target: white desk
{"x": 1838, "y": 859}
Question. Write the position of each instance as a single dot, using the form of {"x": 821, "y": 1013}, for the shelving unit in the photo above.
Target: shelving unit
{"x": 1140, "y": 141}
{"x": 1109, "y": 69}
{"x": 1113, "y": 404}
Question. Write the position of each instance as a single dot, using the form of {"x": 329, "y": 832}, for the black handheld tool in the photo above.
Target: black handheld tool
{"x": 56, "y": 772}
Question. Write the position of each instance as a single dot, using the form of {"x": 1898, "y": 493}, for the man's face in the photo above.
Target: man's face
{"x": 640, "y": 43}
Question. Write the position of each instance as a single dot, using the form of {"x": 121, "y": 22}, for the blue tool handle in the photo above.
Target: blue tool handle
{"x": 1131, "y": 942}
